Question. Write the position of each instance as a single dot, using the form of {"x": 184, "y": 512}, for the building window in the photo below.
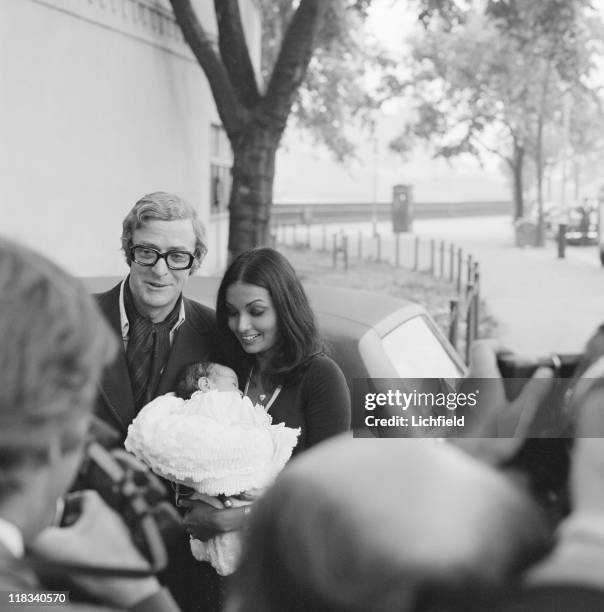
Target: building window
{"x": 221, "y": 160}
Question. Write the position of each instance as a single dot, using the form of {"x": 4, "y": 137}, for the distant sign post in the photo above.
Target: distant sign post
{"x": 402, "y": 208}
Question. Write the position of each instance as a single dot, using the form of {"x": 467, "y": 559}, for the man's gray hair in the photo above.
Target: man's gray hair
{"x": 54, "y": 344}
{"x": 163, "y": 207}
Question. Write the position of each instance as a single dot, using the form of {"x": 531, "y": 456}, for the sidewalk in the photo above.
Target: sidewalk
{"x": 543, "y": 304}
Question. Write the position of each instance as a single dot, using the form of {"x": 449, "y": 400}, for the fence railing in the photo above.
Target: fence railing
{"x": 357, "y": 211}
{"x": 442, "y": 260}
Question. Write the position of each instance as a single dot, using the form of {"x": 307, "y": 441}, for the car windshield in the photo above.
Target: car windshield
{"x": 416, "y": 352}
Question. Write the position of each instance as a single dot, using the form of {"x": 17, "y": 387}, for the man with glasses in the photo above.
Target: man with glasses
{"x": 161, "y": 331}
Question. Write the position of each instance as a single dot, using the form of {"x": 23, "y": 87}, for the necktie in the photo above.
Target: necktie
{"x": 148, "y": 349}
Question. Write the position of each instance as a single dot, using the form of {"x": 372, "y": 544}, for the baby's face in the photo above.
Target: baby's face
{"x": 223, "y": 379}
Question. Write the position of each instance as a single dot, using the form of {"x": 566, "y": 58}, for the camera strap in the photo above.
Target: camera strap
{"x": 58, "y": 569}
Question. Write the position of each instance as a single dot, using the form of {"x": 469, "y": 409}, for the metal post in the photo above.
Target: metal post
{"x": 459, "y": 266}
{"x": 308, "y": 235}
{"x": 378, "y": 238}
{"x": 451, "y": 263}
{"x": 562, "y": 241}
{"x": 453, "y": 321}
{"x": 345, "y": 251}
{"x": 432, "y": 255}
{"x": 324, "y": 239}
{"x": 334, "y": 240}
{"x": 360, "y": 245}
{"x": 476, "y": 300}
{"x": 470, "y": 269}
{"x": 469, "y": 320}
{"x": 442, "y": 258}
{"x": 416, "y": 254}
{"x": 398, "y": 250}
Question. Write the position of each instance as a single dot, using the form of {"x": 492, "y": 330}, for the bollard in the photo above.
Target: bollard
{"x": 453, "y": 321}
{"x": 459, "y": 266}
{"x": 345, "y": 251}
{"x": 476, "y": 300}
{"x": 442, "y": 258}
{"x": 398, "y": 251}
{"x": 469, "y": 319}
{"x": 562, "y": 240}
{"x": 334, "y": 250}
{"x": 416, "y": 254}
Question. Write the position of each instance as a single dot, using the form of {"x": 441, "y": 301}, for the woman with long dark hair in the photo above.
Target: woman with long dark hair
{"x": 284, "y": 365}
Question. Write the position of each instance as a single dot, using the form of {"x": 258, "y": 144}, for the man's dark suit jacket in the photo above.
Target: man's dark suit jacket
{"x": 195, "y": 340}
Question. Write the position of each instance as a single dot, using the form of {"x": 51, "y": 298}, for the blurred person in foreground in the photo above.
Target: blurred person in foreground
{"x": 53, "y": 346}
{"x": 385, "y": 525}
{"x": 571, "y": 577}
{"x": 422, "y": 525}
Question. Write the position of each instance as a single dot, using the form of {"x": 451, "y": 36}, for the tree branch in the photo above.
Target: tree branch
{"x": 234, "y": 52}
{"x": 232, "y": 113}
{"x": 294, "y": 57}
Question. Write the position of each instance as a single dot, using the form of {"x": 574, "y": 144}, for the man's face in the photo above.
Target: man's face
{"x": 156, "y": 288}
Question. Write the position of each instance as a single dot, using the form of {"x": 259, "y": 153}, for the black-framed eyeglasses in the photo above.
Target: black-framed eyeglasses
{"x": 148, "y": 256}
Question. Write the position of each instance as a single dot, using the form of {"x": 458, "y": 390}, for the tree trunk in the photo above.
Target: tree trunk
{"x": 252, "y": 189}
{"x": 577, "y": 179}
{"x": 517, "y": 164}
{"x": 540, "y": 219}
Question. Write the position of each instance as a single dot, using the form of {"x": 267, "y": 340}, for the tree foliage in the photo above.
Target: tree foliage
{"x": 337, "y": 90}
{"x": 489, "y": 76}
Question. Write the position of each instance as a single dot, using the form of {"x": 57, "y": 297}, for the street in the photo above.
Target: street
{"x": 542, "y": 304}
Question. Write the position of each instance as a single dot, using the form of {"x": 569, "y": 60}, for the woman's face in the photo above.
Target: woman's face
{"x": 252, "y": 317}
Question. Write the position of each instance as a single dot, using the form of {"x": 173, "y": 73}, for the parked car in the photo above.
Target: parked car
{"x": 371, "y": 335}
{"x": 582, "y": 228}
{"x": 581, "y": 222}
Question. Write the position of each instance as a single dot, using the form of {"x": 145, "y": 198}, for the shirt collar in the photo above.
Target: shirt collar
{"x": 124, "y": 323}
{"x": 11, "y": 538}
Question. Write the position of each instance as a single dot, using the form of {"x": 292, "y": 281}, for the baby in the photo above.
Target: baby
{"x": 205, "y": 376}
{"x": 202, "y": 376}
{"x": 214, "y": 445}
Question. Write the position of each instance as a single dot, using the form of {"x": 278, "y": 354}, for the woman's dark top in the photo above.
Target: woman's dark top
{"x": 318, "y": 402}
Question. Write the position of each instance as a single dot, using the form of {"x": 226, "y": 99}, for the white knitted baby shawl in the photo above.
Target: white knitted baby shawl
{"x": 216, "y": 443}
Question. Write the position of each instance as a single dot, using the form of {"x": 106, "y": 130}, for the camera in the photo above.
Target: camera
{"x": 551, "y": 418}
{"x": 131, "y": 489}
{"x": 544, "y": 457}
